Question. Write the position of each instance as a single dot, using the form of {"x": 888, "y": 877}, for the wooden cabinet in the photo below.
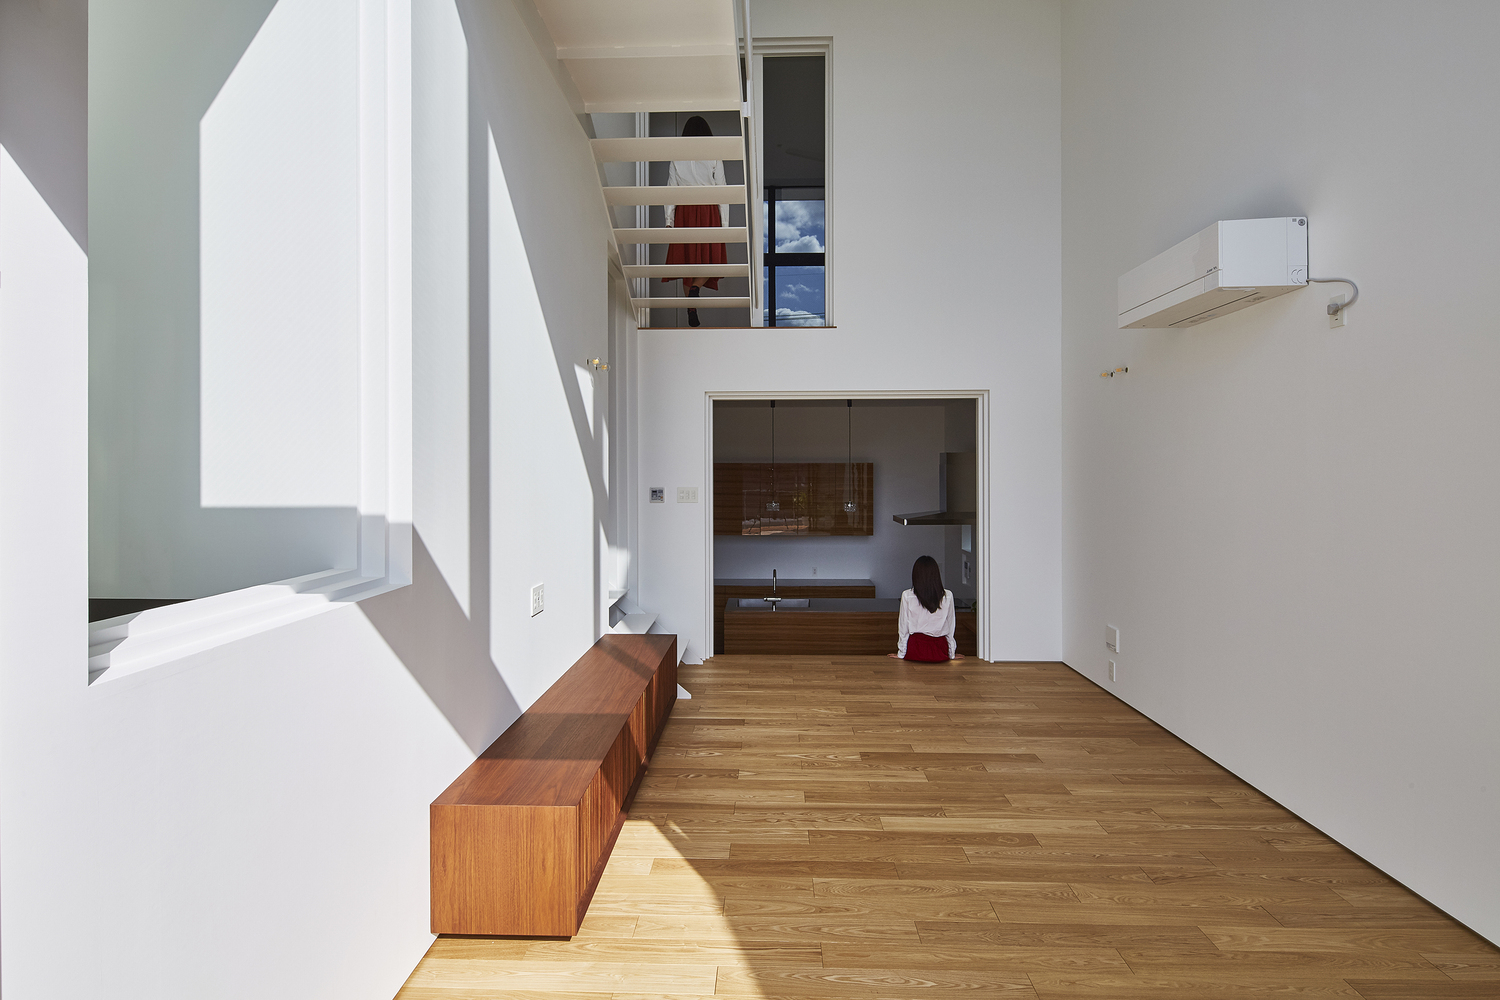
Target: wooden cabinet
{"x": 520, "y": 839}
{"x": 829, "y": 628}
{"x": 810, "y": 496}
{"x": 725, "y": 589}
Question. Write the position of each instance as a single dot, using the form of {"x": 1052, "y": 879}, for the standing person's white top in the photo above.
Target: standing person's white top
{"x": 696, "y": 173}
{"x": 915, "y": 618}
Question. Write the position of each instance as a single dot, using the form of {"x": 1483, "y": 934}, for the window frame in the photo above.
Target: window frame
{"x": 797, "y": 46}
{"x": 138, "y": 645}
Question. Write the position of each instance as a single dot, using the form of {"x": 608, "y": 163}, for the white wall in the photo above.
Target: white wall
{"x": 224, "y": 293}
{"x": 903, "y": 440}
{"x": 547, "y": 310}
{"x": 252, "y": 821}
{"x": 954, "y": 289}
{"x": 1294, "y": 527}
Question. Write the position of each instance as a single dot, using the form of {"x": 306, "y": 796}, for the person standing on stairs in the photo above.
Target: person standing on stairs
{"x": 696, "y": 173}
{"x": 926, "y": 624}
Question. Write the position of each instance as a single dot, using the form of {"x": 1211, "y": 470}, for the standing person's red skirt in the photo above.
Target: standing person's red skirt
{"x": 924, "y": 648}
{"x": 691, "y": 216}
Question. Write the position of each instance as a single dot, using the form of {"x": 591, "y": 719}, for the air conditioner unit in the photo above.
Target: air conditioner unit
{"x": 1224, "y": 268}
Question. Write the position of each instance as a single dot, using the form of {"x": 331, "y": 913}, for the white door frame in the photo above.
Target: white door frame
{"x": 981, "y": 399}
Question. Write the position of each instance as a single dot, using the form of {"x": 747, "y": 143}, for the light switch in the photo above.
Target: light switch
{"x": 538, "y": 599}
{"x": 687, "y": 494}
{"x": 1112, "y": 638}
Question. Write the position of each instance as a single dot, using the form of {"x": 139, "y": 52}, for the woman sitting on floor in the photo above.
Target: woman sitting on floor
{"x": 926, "y": 624}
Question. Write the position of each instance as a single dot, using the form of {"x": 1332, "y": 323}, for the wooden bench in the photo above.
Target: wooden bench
{"x": 520, "y": 839}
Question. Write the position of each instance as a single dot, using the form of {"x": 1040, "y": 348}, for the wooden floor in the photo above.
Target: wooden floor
{"x": 864, "y": 828}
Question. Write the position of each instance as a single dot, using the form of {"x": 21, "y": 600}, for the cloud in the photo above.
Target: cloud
{"x": 797, "y": 317}
{"x": 804, "y": 244}
{"x": 797, "y": 221}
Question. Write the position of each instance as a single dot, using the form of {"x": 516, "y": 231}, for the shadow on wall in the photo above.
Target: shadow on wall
{"x": 43, "y": 103}
{"x": 446, "y": 652}
{"x": 558, "y": 199}
{"x": 444, "y": 642}
{"x": 186, "y": 499}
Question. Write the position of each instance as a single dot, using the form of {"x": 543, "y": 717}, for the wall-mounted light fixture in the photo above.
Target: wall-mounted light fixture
{"x": 773, "y": 504}
{"x": 850, "y": 507}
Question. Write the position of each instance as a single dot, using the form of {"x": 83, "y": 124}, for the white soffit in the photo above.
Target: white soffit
{"x": 648, "y": 55}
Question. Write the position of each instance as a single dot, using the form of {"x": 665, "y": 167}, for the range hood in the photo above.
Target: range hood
{"x": 956, "y": 486}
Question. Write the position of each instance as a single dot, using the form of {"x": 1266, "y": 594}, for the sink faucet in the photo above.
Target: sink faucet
{"x": 773, "y": 581}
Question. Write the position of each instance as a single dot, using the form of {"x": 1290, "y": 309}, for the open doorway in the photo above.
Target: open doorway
{"x": 823, "y": 504}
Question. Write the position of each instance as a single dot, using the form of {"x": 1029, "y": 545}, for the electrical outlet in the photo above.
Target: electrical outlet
{"x": 538, "y": 599}
{"x": 1112, "y": 671}
{"x": 687, "y": 494}
{"x": 1336, "y": 318}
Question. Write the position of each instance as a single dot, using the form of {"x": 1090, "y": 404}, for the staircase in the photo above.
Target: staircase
{"x": 666, "y": 56}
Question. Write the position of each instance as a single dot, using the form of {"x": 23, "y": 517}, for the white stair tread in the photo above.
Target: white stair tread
{"x": 634, "y": 624}
{"x": 615, "y": 595}
{"x": 706, "y": 302}
{"x": 682, "y": 692}
{"x": 669, "y": 147}
{"x": 671, "y": 194}
{"x": 687, "y": 234}
{"x": 687, "y": 270}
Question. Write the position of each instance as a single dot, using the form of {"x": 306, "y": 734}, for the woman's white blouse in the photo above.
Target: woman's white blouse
{"x": 697, "y": 173}
{"x": 915, "y": 618}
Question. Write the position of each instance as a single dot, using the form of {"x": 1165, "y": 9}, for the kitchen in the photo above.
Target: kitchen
{"x": 820, "y": 508}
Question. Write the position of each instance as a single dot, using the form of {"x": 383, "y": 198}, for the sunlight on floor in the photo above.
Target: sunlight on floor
{"x": 862, "y": 829}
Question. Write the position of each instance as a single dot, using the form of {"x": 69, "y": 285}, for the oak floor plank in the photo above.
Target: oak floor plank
{"x": 586, "y": 977}
{"x": 1468, "y": 966}
{"x": 1056, "y": 987}
{"x": 1398, "y": 989}
{"x": 874, "y": 984}
{"x": 971, "y": 956}
{"x": 1047, "y": 936}
{"x": 857, "y": 828}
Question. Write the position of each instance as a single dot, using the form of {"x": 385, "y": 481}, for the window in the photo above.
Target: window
{"x": 793, "y": 171}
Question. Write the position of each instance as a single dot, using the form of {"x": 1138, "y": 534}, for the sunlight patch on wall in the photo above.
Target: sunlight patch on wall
{"x": 280, "y": 267}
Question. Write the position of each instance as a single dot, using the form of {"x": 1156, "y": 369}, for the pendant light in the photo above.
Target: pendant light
{"x": 773, "y": 504}
{"x": 850, "y": 507}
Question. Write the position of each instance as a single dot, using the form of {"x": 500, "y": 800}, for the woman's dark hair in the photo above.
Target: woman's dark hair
{"x": 696, "y": 125}
{"x": 927, "y": 582}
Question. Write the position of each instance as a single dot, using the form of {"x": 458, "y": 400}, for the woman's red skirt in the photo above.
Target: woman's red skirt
{"x": 924, "y": 648}
{"x": 688, "y": 216}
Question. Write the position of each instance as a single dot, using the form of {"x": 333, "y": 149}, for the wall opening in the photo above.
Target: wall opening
{"x": 782, "y": 477}
{"x": 249, "y": 317}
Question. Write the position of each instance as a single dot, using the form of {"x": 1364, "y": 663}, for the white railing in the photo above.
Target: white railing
{"x": 748, "y": 119}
